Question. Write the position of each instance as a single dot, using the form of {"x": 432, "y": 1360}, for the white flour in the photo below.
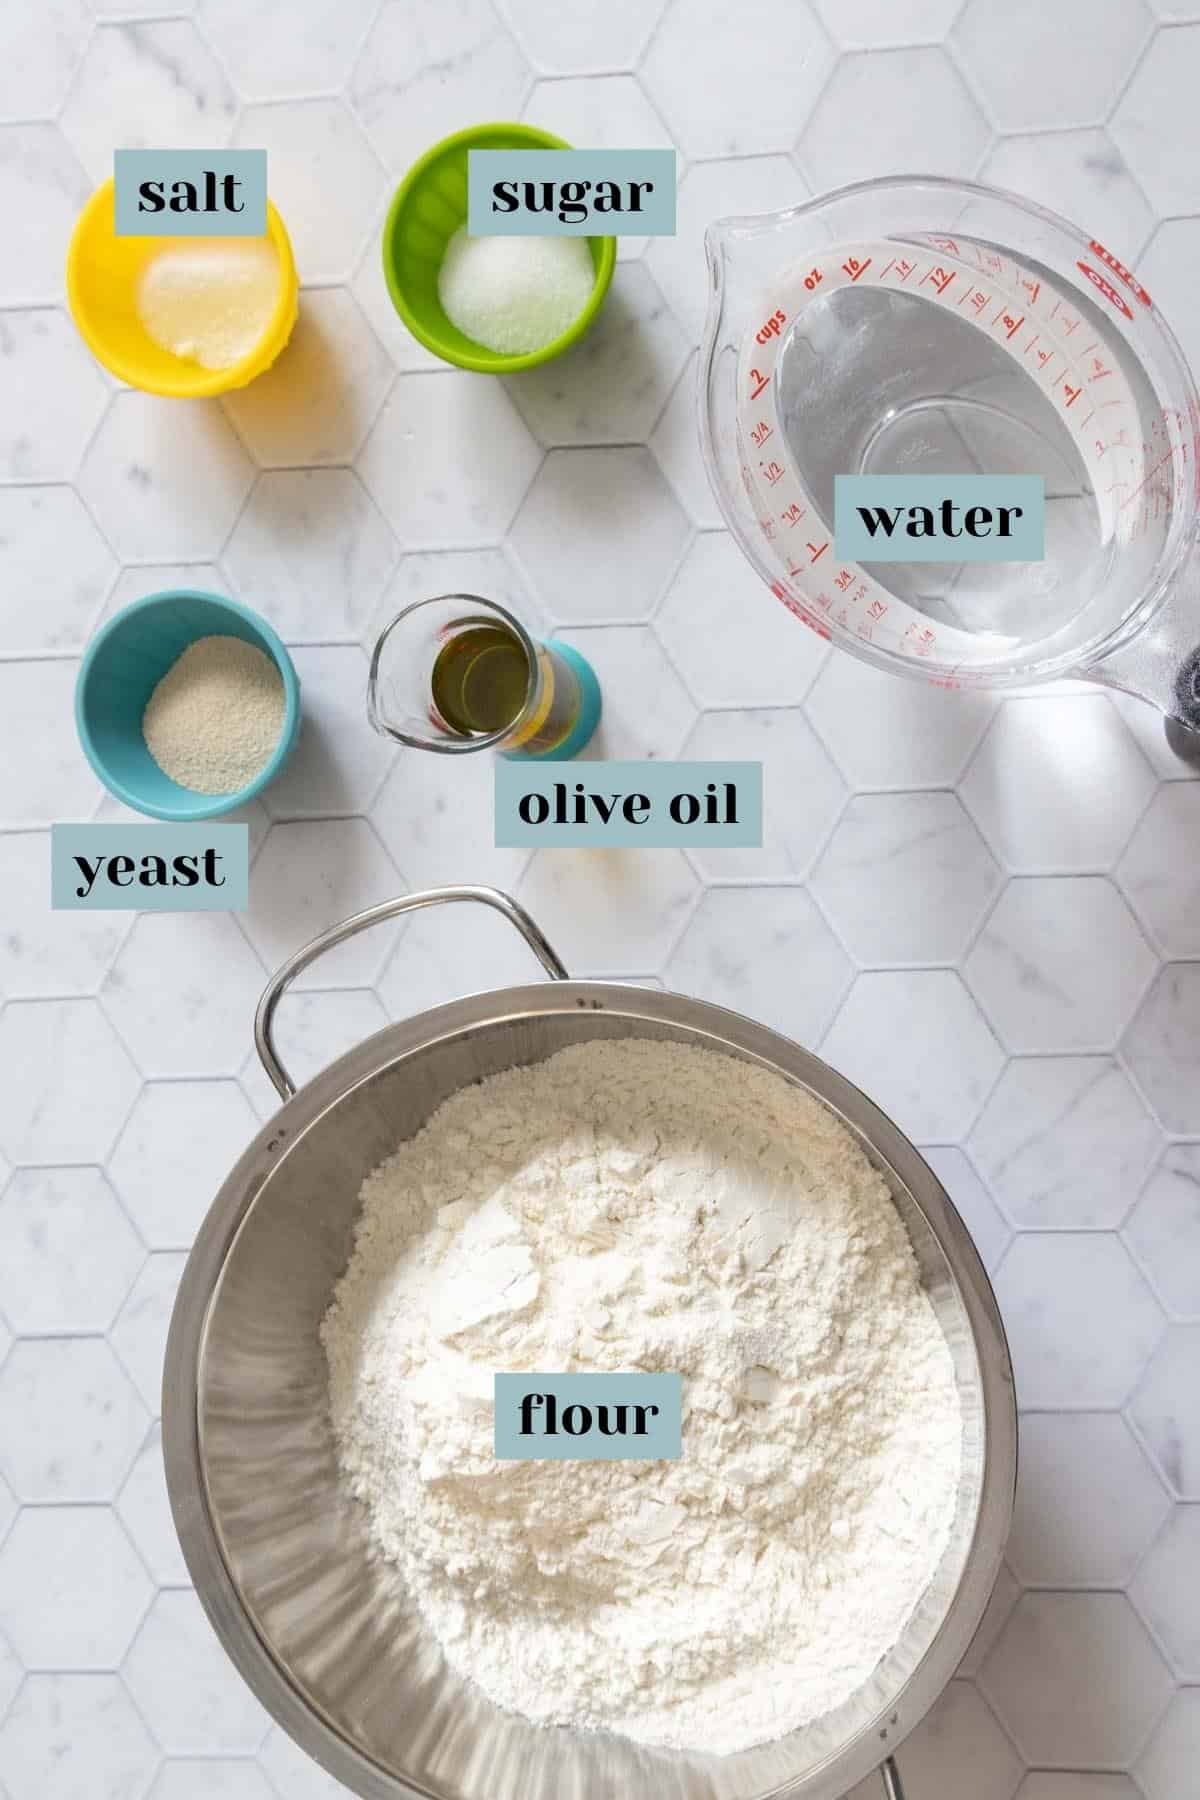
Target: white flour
{"x": 639, "y": 1206}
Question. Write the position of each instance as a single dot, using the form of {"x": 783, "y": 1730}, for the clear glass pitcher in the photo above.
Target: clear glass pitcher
{"x": 912, "y": 326}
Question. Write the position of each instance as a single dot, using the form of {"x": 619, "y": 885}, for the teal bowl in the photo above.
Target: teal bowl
{"x": 123, "y": 665}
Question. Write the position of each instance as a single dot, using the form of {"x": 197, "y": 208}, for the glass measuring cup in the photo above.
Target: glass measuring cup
{"x": 915, "y": 325}
{"x": 456, "y": 673}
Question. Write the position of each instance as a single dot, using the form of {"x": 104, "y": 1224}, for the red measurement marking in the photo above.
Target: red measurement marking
{"x": 768, "y": 528}
{"x": 1010, "y": 325}
{"x": 1072, "y": 394}
{"x": 1123, "y": 274}
{"x": 791, "y": 515}
{"x": 816, "y": 551}
{"x": 941, "y": 278}
{"x": 813, "y": 279}
{"x": 905, "y": 267}
{"x": 976, "y": 298}
{"x": 853, "y": 268}
{"x": 877, "y": 608}
{"x": 1032, "y": 288}
{"x": 886, "y": 267}
{"x": 842, "y": 579}
{"x": 772, "y": 472}
{"x": 759, "y": 434}
{"x": 1106, "y": 288}
{"x": 758, "y": 383}
{"x": 945, "y": 243}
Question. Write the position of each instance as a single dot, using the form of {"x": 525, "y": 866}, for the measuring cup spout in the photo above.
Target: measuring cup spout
{"x": 1161, "y": 662}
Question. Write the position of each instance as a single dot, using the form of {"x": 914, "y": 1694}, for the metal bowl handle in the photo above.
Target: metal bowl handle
{"x": 891, "y": 1780}
{"x": 264, "y": 1018}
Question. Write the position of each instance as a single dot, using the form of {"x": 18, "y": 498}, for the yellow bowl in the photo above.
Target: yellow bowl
{"x": 102, "y": 276}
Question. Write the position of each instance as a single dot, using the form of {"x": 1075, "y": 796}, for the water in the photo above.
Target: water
{"x": 876, "y": 382}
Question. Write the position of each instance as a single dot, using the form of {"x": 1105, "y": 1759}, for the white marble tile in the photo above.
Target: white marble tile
{"x": 698, "y": 45}
{"x": 1156, "y": 125}
{"x": 310, "y": 44}
{"x": 605, "y": 112}
{"x": 1172, "y": 1756}
{"x": 70, "y": 1421}
{"x": 370, "y": 289}
{"x": 906, "y": 109}
{"x": 1065, "y": 1143}
{"x": 312, "y": 552}
{"x": 882, "y": 24}
{"x": 312, "y": 1030}
{"x": 57, "y": 784}
{"x": 447, "y": 951}
{"x": 436, "y": 814}
{"x": 166, "y": 481}
{"x": 1044, "y": 1784}
{"x": 1163, "y": 1231}
{"x": 1149, "y": 727}
{"x": 179, "y": 1143}
{"x": 422, "y": 74}
{"x": 647, "y": 710}
{"x": 145, "y": 1512}
{"x": 676, "y": 446}
{"x": 185, "y": 1687}
{"x": 979, "y": 1211}
{"x": 1076, "y": 1680}
{"x": 802, "y": 791}
{"x": 72, "y": 1591}
{"x": 576, "y": 36}
{"x": 423, "y": 574}
{"x": 1088, "y": 1502}
{"x": 187, "y": 1780}
{"x": 887, "y": 733}
{"x": 958, "y": 1748}
{"x": 449, "y": 460}
{"x": 609, "y": 911}
{"x": 905, "y": 878}
{"x": 69, "y": 1083}
{"x": 765, "y": 952}
{"x": 1000, "y": 1604}
{"x": 1080, "y": 1319}
{"x": 317, "y": 403}
{"x": 1162, "y": 1047}
{"x": 295, "y": 1776}
{"x": 1166, "y": 1410}
{"x": 55, "y": 566}
{"x": 308, "y": 876}
{"x": 44, "y": 952}
{"x": 8, "y": 1512}
{"x": 68, "y": 1254}
{"x": 710, "y": 191}
{"x": 728, "y": 635}
{"x": 40, "y": 48}
{"x": 51, "y": 396}
{"x": 1060, "y": 965}
{"x": 75, "y": 1737}
{"x": 1080, "y": 174}
{"x": 140, "y": 1334}
{"x": 324, "y": 178}
{"x": 599, "y": 535}
{"x": 1170, "y": 268}
{"x": 10, "y": 1677}
{"x": 182, "y": 992}
{"x": 916, "y": 1043}
{"x": 1164, "y": 894}
{"x": 1023, "y": 88}
{"x": 42, "y": 188}
{"x": 150, "y": 84}
{"x": 338, "y": 765}
{"x": 611, "y": 386}
{"x": 1058, "y": 784}
{"x": 1164, "y": 1591}
{"x": 161, "y": 578}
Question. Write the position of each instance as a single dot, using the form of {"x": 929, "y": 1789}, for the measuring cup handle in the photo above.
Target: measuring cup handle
{"x": 892, "y": 1785}
{"x": 264, "y": 1018}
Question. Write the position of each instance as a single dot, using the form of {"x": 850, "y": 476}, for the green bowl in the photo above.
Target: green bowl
{"x": 429, "y": 206}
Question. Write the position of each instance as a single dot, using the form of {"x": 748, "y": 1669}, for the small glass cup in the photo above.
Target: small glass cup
{"x": 456, "y": 673}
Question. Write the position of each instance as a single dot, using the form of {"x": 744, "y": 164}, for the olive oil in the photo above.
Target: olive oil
{"x": 480, "y": 680}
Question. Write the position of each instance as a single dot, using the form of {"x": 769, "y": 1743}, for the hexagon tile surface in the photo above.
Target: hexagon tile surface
{"x": 985, "y": 910}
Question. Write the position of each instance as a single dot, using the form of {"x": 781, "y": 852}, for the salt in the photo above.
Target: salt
{"x": 210, "y": 301}
{"x": 514, "y": 295}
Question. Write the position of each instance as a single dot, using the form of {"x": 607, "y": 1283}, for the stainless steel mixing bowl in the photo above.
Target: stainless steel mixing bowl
{"x": 279, "y": 1553}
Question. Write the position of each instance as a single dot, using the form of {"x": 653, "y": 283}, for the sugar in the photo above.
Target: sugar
{"x": 514, "y": 294}
{"x": 210, "y": 301}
